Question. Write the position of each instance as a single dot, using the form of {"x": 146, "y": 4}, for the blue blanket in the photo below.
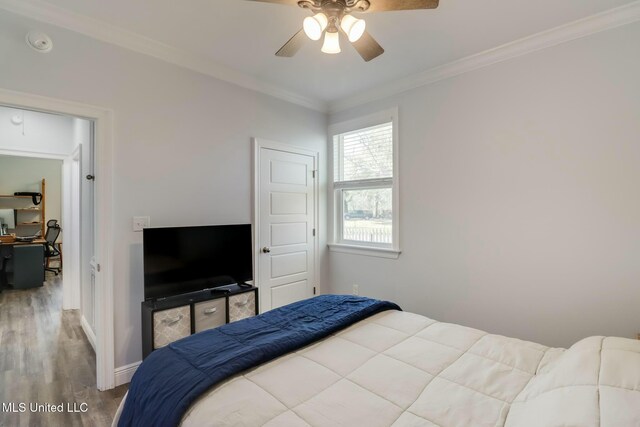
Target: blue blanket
{"x": 173, "y": 377}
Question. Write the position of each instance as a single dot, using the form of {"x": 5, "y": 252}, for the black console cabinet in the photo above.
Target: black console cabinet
{"x": 170, "y": 319}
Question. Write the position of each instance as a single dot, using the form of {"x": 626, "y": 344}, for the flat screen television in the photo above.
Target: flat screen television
{"x": 180, "y": 260}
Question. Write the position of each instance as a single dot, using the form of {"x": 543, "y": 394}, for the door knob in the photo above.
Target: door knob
{"x": 266, "y": 250}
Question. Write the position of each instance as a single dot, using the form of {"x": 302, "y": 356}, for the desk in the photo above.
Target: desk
{"x": 25, "y": 260}
{"x": 35, "y": 242}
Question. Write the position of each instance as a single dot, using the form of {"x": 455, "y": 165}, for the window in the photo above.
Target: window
{"x": 364, "y": 186}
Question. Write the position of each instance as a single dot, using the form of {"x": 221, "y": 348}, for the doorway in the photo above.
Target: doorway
{"x": 285, "y": 223}
{"x": 101, "y": 269}
{"x": 52, "y": 154}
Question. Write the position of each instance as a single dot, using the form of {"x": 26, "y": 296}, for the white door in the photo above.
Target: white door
{"x": 285, "y": 235}
{"x": 88, "y": 262}
{"x": 74, "y": 242}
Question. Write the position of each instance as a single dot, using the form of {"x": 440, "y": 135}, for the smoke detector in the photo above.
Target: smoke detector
{"x": 40, "y": 42}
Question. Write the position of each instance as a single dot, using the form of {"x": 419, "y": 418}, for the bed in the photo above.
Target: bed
{"x": 394, "y": 368}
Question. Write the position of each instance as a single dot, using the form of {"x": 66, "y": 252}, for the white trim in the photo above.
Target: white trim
{"x": 123, "y": 374}
{"x": 364, "y": 250}
{"x": 71, "y": 282}
{"x": 68, "y": 276}
{"x": 88, "y": 332}
{"x": 103, "y": 118}
{"x": 100, "y": 30}
{"x": 104, "y": 229}
{"x": 606, "y": 20}
{"x": 335, "y": 208}
{"x": 258, "y": 144}
{"x": 33, "y": 154}
{"x": 367, "y": 121}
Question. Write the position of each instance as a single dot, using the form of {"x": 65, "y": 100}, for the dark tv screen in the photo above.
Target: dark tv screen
{"x": 179, "y": 260}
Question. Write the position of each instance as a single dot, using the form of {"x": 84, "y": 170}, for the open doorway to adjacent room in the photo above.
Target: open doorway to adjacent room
{"x": 47, "y": 250}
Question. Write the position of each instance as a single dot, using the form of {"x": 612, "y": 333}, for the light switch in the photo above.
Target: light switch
{"x": 140, "y": 222}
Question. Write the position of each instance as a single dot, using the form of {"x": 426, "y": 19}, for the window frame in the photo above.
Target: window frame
{"x": 336, "y": 205}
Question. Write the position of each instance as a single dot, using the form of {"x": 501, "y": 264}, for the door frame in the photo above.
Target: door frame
{"x": 71, "y": 233}
{"x": 258, "y": 144}
{"x": 104, "y": 223}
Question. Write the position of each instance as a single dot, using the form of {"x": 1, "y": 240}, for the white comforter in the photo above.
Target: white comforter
{"x": 402, "y": 369}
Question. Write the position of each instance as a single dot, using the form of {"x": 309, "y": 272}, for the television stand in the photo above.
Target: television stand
{"x": 165, "y": 321}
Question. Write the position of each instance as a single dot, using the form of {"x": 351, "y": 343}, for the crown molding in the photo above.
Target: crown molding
{"x": 50, "y": 14}
{"x": 606, "y": 20}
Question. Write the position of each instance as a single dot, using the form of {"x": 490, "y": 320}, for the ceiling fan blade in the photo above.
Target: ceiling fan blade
{"x": 389, "y": 5}
{"x": 289, "y": 2}
{"x": 368, "y": 47}
{"x": 294, "y": 44}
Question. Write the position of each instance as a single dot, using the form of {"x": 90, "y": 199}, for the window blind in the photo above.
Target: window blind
{"x": 364, "y": 154}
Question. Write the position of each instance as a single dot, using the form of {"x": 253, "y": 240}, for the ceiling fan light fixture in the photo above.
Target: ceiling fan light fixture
{"x": 331, "y": 43}
{"x": 315, "y": 25}
{"x": 353, "y": 27}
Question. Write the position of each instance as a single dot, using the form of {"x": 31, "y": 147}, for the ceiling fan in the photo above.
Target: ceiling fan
{"x": 333, "y": 16}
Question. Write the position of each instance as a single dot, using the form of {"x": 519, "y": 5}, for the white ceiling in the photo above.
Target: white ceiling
{"x": 244, "y": 35}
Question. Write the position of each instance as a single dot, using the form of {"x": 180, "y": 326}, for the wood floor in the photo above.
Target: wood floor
{"x": 45, "y": 358}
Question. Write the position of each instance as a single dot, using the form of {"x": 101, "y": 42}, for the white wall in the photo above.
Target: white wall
{"x": 518, "y": 181}
{"x": 520, "y": 209}
{"x": 38, "y": 133}
{"x": 25, "y": 174}
{"x": 182, "y": 153}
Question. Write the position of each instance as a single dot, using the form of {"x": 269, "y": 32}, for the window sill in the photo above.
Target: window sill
{"x": 364, "y": 250}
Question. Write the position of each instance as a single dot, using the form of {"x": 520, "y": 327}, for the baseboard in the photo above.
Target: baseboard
{"x": 123, "y": 374}
{"x": 88, "y": 332}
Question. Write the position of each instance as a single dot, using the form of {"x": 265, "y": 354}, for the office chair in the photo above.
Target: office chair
{"x": 50, "y": 249}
